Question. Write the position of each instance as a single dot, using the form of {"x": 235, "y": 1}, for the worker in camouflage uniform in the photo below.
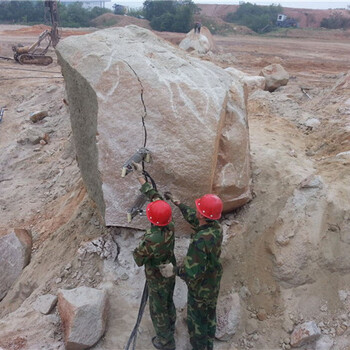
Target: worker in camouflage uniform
{"x": 202, "y": 269}
{"x": 155, "y": 248}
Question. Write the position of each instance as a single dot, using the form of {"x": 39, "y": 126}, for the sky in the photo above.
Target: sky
{"x": 312, "y": 4}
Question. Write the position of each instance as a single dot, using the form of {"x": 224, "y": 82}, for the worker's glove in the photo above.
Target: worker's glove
{"x": 138, "y": 171}
{"x": 167, "y": 270}
{"x": 169, "y": 196}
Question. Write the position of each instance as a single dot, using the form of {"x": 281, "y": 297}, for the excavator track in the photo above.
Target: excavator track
{"x": 39, "y": 60}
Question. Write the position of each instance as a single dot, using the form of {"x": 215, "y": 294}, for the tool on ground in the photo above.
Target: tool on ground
{"x": 2, "y": 111}
{"x": 6, "y": 58}
{"x": 142, "y": 155}
{"x": 303, "y": 90}
{"x": 133, "y": 335}
{"x": 136, "y": 208}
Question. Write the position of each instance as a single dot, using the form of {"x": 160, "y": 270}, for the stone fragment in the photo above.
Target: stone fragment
{"x": 244, "y": 292}
{"x": 312, "y": 123}
{"x": 305, "y": 333}
{"x": 37, "y": 116}
{"x": 196, "y": 120}
{"x": 275, "y": 76}
{"x": 51, "y": 88}
{"x": 15, "y": 253}
{"x": 288, "y": 325}
{"x": 45, "y": 303}
{"x": 324, "y": 343}
{"x": 343, "y": 295}
{"x": 30, "y": 136}
{"x": 251, "y": 326}
{"x": 83, "y": 312}
{"x": 228, "y": 316}
{"x": 261, "y": 315}
{"x": 312, "y": 181}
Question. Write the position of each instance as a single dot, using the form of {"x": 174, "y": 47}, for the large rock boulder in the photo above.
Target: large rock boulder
{"x": 194, "y": 113}
{"x": 200, "y": 42}
{"x": 15, "y": 253}
{"x": 275, "y": 76}
{"x": 83, "y": 312}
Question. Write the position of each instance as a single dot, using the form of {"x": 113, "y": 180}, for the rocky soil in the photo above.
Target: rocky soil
{"x": 285, "y": 253}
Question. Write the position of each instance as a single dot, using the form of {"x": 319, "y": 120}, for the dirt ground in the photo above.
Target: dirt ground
{"x": 41, "y": 189}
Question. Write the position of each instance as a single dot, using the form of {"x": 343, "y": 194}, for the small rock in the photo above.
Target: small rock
{"x": 324, "y": 343}
{"x": 45, "y": 303}
{"x": 244, "y": 292}
{"x": 292, "y": 153}
{"x": 305, "y": 333}
{"x": 310, "y": 153}
{"x": 288, "y": 325}
{"x": 51, "y": 88}
{"x": 344, "y": 317}
{"x": 342, "y": 295}
{"x": 262, "y": 315}
{"x": 83, "y": 312}
{"x": 312, "y": 123}
{"x": 312, "y": 181}
{"x": 37, "y": 116}
{"x": 19, "y": 110}
{"x": 251, "y": 326}
{"x": 340, "y": 330}
{"x": 228, "y": 316}
{"x": 58, "y": 280}
{"x": 324, "y": 308}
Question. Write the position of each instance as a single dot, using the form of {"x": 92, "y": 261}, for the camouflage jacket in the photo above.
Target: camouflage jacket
{"x": 157, "y": 245}
{"x": 202, "y": 269}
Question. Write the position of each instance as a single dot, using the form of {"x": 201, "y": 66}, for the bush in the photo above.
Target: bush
{"x": 171, "y": 16}
{"x": 255, "y": 17}
{"x": 336, "y": 21}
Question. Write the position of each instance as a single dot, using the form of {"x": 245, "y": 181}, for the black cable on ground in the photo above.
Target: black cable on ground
{"x": 133, "y": 335}
{"x": 30, "y": 70}
{"x": 30, "y": 78}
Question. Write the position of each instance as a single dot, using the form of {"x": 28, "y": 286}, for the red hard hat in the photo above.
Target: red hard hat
{"x": 159, "y": 213}
{"x": 210, "y": 206}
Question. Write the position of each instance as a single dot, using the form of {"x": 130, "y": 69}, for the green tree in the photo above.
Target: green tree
{"x": 254, "y": 16}
{"x": 171, "y": 15}
{"x": 336, "y": 21}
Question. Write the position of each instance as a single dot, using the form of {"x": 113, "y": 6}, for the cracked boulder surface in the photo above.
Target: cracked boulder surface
{"x": 194, "y": 114}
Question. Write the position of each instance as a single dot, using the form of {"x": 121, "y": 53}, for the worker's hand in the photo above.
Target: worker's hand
{"x": 138, "y": 171}
{"x": 167, "y": 270}
{"x": 169, "y": 196}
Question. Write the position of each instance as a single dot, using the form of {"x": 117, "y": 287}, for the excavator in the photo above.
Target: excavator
{"x": 34, "y": 54}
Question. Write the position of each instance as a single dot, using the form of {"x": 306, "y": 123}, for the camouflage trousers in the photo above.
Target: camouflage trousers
{"x": 162, "y": 309}
{"x": 201, "y": 321}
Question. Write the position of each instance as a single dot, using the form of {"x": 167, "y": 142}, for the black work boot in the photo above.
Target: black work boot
{"x": 158, "y": 345}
